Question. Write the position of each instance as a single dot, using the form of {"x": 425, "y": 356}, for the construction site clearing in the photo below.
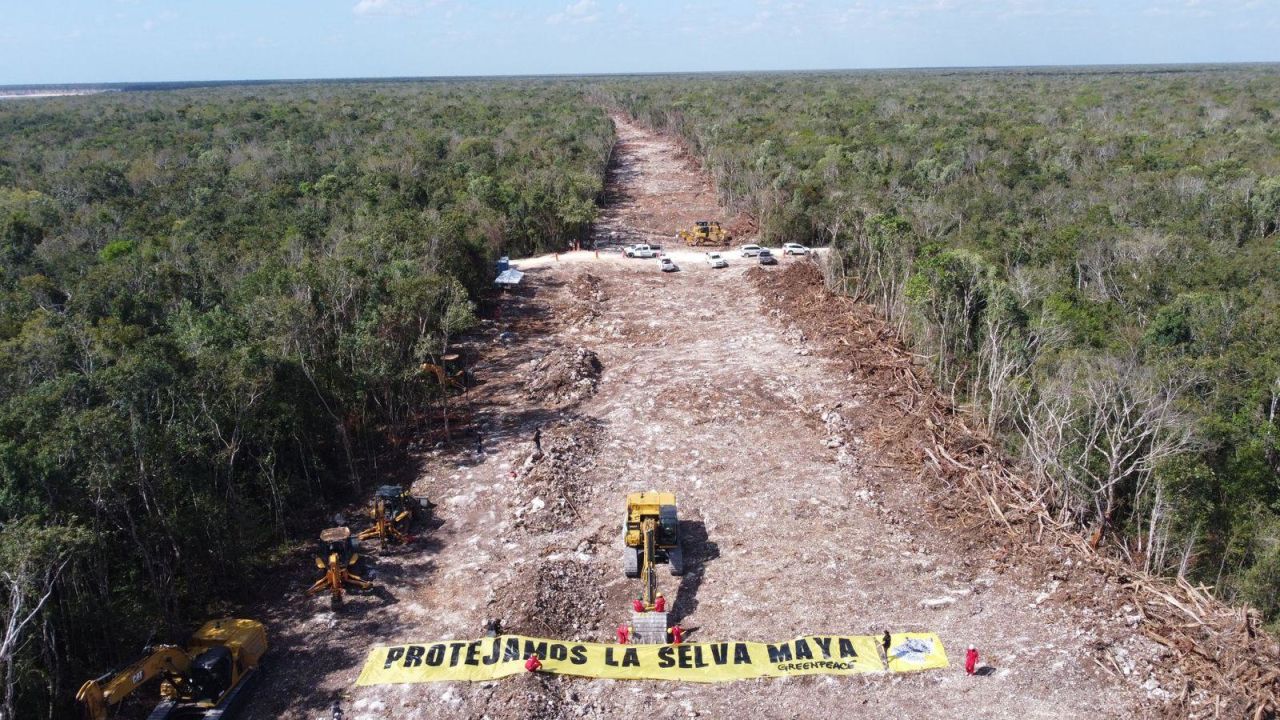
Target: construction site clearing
{"x": 819, "y": 489}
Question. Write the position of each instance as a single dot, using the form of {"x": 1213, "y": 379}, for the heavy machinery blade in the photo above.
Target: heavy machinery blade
{"x": 650, "y": 628}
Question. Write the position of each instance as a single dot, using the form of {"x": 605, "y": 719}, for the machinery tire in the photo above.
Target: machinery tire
{"x": 630, "y": 562}
{"x": 675, "y": 557}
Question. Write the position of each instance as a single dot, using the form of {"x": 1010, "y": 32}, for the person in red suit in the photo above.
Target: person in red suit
{"x": 971, "y": 660}
{"x": 623, "y": 634}
{"x": 660, "y": 604}
{"x": 533, "y": 664}
{"x": 677, "y": 634}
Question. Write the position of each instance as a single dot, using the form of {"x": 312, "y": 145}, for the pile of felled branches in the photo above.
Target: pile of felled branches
{"x": 1223, "y": 663}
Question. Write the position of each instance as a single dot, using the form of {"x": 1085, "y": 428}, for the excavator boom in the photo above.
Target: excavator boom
{"x": 648, "y": 570}
{"x": 97, "y": 696}
{"x": 207, "y": 675}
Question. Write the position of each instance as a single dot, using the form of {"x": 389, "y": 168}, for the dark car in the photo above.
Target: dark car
{"x": 767, "y": 258}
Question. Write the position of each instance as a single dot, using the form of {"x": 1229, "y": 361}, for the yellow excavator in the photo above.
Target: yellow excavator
{"x": 450, "y": 373}
{"x": 339, "y": 556}
{"x": 207, "y": 679}
{"x": 393, "y": 510}
{"x": 706, "y": 233}
{"x": 650, "y": 536}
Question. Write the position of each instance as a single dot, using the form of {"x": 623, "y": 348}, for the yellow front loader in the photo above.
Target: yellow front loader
{"x": 207, "y": 679}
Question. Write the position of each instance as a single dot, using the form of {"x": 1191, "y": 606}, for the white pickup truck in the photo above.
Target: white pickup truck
{"x": 642, "y": 251}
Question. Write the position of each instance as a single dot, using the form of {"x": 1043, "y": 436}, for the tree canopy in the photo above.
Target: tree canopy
{"x": 213, "y": 307}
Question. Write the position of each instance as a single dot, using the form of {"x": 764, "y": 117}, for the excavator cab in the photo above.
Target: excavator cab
{"x": 211, "y": 673}
{"x": 337, "y": 541}
{"x": 396, "y": 501}
{"x": 451, "y": 373}
{"x": 392, "y": 497}
{"x": 392, "y": 512}
{"x": 339, "y": 556}
{"x": 657, "y": 512}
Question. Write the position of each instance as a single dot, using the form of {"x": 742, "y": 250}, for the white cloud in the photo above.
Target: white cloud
{"x": 387, "y": 7}
{"x": 580, "y": 12}
{"x": 163, "y": 18}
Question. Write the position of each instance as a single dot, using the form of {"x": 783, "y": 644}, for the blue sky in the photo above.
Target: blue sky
{"x": 60, "y": 41}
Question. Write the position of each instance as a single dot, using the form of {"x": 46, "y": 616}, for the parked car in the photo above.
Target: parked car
{"x": 666, "y": 265}
{"x": 716, "y": 260}
{"x": 767, "y": 258}
{"x": 750, "y": 250}
{"x": 795, "y": 249}
{"x": 640, "y": 251}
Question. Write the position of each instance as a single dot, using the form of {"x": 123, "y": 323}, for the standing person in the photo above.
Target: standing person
{"x": 971, "y": 660}
{"x": 885, "y": 642}
{"x": 677, "y": 634}
{"x": 623, "y": 634}
{"x": 660, "y": 604}
{"x": 537, "y": 438}
{"x": 533, "y": 664}
{"x": 479, "y": 443}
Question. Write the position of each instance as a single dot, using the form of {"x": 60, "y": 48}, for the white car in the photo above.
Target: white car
{"x": 666, "y": 265}
{"x": 641, "y": 251}
{"x": 716, "y": 260}
{"x": 795, "y": 249}
{"x": 750, "y": 250}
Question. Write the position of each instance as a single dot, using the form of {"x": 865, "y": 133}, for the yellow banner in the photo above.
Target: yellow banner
{"x": 497, "y": 657}
{"x": 909, "y": 652}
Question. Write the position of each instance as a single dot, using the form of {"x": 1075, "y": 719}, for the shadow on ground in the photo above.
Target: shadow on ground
{"x": 698, "y": 551}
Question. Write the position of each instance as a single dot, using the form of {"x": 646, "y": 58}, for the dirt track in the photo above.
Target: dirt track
{"x": 801, "y": 517}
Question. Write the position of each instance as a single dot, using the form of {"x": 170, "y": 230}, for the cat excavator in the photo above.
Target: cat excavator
{"x": 207, "y": 679}
{"x": 650, "y": 536}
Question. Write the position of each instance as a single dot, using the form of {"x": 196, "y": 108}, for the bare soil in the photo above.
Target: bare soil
{"x": 653, "y": 189}
{"x": 805, "y": 509}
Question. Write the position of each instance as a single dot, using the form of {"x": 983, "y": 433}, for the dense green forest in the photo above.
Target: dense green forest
{"x": 1089, "y": 260}
{"x": 213, "y": 305}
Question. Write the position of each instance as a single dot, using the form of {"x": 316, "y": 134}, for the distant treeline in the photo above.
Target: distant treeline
{"x": 1089, "y": 260}
{"x": 213, "y": 307}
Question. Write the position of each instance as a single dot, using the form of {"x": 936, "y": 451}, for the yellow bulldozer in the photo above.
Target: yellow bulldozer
{"x": 338, "y": 557}
{"x": 650, "y": 536}
{"x": 206, "y": 679}
{"x": 706, "y": 233}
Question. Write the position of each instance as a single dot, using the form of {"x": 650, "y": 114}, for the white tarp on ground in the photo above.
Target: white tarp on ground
{"x": 509, "y": 277}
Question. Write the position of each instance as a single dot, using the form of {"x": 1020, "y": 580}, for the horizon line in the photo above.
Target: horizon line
{"x": 534, "y": 76}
